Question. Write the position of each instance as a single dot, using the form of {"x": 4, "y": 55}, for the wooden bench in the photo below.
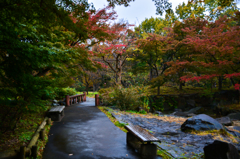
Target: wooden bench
{"x": 56, "y": 113}
{"x": 141, "y": 140}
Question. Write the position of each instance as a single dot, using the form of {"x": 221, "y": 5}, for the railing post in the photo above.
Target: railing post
{"x": 84, "y": 97}
{"x": 97, "y": 100}
{"x": 67, "y": 100}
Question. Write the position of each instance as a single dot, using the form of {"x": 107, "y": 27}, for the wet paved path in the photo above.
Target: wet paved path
{"x": 86, "y": 133}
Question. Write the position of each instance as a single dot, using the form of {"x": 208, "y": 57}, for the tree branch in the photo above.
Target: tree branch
{"x": 109, "y": 64}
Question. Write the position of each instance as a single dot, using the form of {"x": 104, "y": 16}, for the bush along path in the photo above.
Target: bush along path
{"x": 167, "y": 128}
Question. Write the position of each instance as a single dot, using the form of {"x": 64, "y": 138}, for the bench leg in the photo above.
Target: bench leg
{"x": 55, "y": 116}
{"x": 148, "y": 150}
{"x": 62, "y": 113}
{"x": 131, "y": 138}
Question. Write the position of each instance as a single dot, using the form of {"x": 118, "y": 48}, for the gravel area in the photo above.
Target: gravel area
{"x": 167, "y": 129}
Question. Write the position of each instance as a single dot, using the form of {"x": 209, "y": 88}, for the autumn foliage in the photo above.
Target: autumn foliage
{"x": 213, "y": 50}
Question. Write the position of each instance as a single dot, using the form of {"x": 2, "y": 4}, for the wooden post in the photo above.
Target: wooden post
{"x": 80, "y": 97}
{"x": 67, "y": 100}
{"x": 97, "y": 100}
{"x": 34, "y": 151}
{"x": 22, "y": 152}
{"x": 49, "y": 121}
{"x": 42, "y": 134}
{"x": 84, "y": 97}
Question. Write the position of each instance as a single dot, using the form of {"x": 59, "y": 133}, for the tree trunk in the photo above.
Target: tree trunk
{"x": 180, "y": 86}
{"x": 119, "y": 73}
{"x": 87, "y": 89}
{"x": 116, "y": 78}
{"x": 158, "y": 90}
{"x": 220, "y": 83}
{"x": 119, "y": 78}
{"x": 233, "y": 82}
{"x": 151, "y": 70}
{"x": 151, "y": 74}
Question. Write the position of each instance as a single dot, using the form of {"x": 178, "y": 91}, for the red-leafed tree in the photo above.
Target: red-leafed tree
{"x": 179, "y": 51}
{"x": 96, "y": 27}
{"x": 113, "y": 51}
{"x": 216, "y": 50}
{"x": 97, "y": 30}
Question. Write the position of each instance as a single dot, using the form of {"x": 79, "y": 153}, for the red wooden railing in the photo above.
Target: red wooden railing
{"x": 75, "y": 99}
{"x": 97, "y": 101}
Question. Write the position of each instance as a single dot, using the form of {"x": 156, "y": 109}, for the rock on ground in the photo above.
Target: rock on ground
{"x": 225, "y": 121}
{"x": 201, "y": 122}
{"x": 220, "y": 150}
{"x": 235, "y": 116}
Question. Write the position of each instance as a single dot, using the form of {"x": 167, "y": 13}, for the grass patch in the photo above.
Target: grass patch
{"x": 217, "y": 135}
{"x": 136, "y": 112}
{"x": 115, "y": 122}
{"x": 90, "y": 94}
{"x": 163, "y": 154}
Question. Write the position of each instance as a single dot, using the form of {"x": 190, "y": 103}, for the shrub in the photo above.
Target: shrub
{"x": 125, "y": 98}
{"x": 106, "y": 96}
{"x": 62, "y": 92}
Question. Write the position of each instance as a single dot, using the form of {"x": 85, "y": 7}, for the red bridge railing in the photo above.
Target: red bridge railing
{"x": 75, "y": 99}
{"x": 80, "y": 98}
{"x": 97, "y": 100}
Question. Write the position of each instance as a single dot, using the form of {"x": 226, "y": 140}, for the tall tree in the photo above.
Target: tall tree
{"x": 153, "y": 25}
{"x": 178, "y": 50}
{"x": 216, "y": 49}
{"x": 113, "y": 52}
{"x": 42, "y": 45}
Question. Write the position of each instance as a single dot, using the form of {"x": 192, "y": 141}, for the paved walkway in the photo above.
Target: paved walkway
{"x": 86, "y": 133}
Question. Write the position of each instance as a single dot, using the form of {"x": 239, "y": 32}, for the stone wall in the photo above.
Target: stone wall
{"x": 188, "y": 101}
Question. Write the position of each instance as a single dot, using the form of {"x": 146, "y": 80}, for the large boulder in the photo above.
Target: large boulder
{"x": 226, "y": 121}
{"x": 220, "y": 150}
{"x": 201, "y": 122}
